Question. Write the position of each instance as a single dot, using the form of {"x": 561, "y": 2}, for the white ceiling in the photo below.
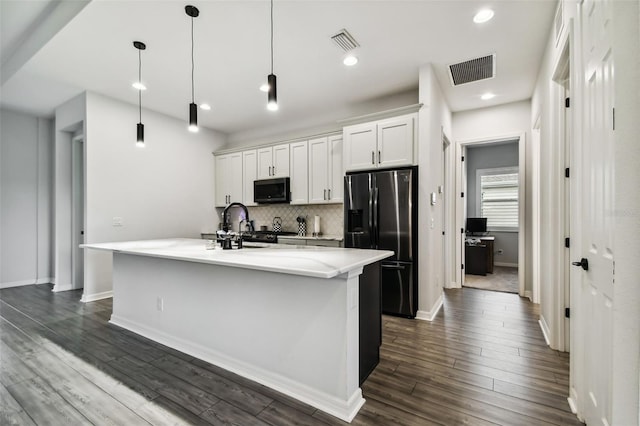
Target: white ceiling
{"x": 94, "y": 52}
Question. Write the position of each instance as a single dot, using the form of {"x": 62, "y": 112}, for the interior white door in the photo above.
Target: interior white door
{"x": 596, "y": 288}
{"x": 77, "y": 176}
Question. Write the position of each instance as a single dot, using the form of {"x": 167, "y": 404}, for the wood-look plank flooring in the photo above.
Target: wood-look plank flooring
{"x": 482, "y": 361}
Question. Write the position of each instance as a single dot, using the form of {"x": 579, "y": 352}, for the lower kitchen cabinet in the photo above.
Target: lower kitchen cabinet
{"x": 370, "y": 320}
{"x": 310, "y": 242}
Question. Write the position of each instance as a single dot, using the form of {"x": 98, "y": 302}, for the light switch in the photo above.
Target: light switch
{"x": 433, "y": 198}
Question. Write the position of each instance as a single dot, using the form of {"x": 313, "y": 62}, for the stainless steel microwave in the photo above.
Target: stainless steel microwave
{"x": 271, "y": 191}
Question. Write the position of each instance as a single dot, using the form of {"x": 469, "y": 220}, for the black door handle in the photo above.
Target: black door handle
{"x": 584, "y": 263}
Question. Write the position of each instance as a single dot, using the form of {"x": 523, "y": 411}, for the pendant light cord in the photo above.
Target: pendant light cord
{"x": 192, "y": 64}
{"x": 140, "y": 80}
{"x": 271, "y": 36}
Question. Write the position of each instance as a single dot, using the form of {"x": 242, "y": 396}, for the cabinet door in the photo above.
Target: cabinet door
{"x": 318, "y": 167}
{"x": 395, "y": 141}
{"x": 335, "y": 172}
{"x": 360, "y": 146}
{"x": 265, "y": 162}
{"x": 280, "y": 161}
{"x": 234, "y": 177}
{"x": 299, "y": 173}
{"x": 221, "y": 187}
{"x": 250, "y": 172}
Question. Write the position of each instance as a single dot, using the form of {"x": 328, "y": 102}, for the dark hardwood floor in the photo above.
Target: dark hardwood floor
{"x": 482, "y": 361}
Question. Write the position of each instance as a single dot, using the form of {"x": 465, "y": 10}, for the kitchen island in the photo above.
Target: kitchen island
{"x": 284, "y": 316}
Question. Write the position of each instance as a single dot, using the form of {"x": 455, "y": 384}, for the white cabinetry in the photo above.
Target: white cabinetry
{"x": 325, "y": 170}
{"x": 250, "y": 172}
{"x": 228, "y": 178}
{"x": 273, "y": 161}
{"x": 384, "y": 143}
{"x": 299, "y": 173}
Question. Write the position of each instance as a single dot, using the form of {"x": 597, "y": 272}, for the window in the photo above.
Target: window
{"x": 497, "y": 198}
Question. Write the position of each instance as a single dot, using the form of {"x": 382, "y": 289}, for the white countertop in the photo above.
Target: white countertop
{"x": 311, "y": 237}
{"x": 312, "y": 261}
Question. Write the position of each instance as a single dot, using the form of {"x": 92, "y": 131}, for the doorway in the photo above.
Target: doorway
{"x": 77, "y": 211}
{"x": 490, "y": 214}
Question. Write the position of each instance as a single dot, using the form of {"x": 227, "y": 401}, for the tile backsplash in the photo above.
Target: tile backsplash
{"x": 331, "y": 217}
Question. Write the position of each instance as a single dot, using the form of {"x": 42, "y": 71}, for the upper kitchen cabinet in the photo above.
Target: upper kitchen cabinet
{"x": 273, "y": 161}
{"x": 385, "y": 143}
{"x": 250, "y": 173}
{"x": 325, "y": 170}
{"x": 299, "y": 173}
{"x": 228, "y": 179}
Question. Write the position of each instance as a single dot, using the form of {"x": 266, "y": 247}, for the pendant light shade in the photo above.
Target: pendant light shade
{"x": 192, "y": 12}
{"x": 140, "y": 127}
{"x": 272, "y": 94}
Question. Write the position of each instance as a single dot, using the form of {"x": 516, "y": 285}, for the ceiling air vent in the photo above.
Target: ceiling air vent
{"x": 344, "y": 40}
{"x": 473, "y": 70}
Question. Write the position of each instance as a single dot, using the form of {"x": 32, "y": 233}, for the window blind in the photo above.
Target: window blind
{"x": 499, "y": 201}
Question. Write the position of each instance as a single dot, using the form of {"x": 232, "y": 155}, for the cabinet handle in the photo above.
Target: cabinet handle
{"x": 328, "y": 194}
{"x": 373, "y": 158}
{"x": 379, "y": 157}
{"x": 273, "y": 169}
{"x": 269, "y": 170}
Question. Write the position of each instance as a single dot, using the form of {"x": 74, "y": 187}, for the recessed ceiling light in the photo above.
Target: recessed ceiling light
{"x": 350, "y": 60}
{"x": 139, "y": 86}
{"x": 483, "y": 16}
{"x": 264, "y": 87}
{"x": 487, "y": 96}
{"x": 205, "y": 107}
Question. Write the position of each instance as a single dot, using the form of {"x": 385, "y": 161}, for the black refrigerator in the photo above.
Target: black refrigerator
{"x": 381, "y": 212}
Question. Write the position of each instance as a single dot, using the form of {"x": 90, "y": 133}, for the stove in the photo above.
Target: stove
{"x": 264, "y": 236}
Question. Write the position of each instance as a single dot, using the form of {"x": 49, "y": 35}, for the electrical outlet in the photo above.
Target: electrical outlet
{"x": 160, "y": 304}
{"x": 500, "y": 251}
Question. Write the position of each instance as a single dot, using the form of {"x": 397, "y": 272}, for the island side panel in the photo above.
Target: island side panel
{"x": 295, "y": 334}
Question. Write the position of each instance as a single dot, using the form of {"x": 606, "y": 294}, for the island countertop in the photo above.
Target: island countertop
{"x": 311, "y": 261}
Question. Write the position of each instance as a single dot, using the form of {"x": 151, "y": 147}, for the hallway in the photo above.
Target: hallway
{"x": 481, "y": 361}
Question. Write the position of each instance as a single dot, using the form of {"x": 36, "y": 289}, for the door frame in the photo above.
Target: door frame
{"x": 77, "y": 203}
{"x": 460, "y": 210}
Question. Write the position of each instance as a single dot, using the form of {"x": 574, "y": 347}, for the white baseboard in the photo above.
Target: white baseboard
{"x": 62, "y": 287}
{"x": 344, "y": 410}
{"x": 453, "y": 284}
{"x": 431, "y": 314}
{"x": 545, "y": 330}
{"x": 508, "y": 265}
{"x": 528, "y": 295}
{"x": 96, "y": 296}
{"x": 44, "y": 280}
{"x": 16, "y": 283}
{"x": 572, "y": 400}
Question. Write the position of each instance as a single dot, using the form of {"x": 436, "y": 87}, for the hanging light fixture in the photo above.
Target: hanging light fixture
{"x": 193, "y": 12}
{"x": 272, "y": 93}
{"x": 138, "y": 85}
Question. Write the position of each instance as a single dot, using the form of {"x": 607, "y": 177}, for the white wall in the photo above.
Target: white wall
{"x": 494, "y": 123}
{"x": 25, "y": 199}
{"x": 317, "y": 124}
{"x": 433, "y": 118}
{"x": 163, "y": 190}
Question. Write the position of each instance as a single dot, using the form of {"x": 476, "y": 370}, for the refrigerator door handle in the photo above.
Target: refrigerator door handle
{"x": 400, "y": 267}
{"x": 375, "y": 215}
{"x": 371, "y": 229}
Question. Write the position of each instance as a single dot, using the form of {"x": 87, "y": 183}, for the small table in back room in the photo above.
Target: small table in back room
{"x": 475, "y": 253}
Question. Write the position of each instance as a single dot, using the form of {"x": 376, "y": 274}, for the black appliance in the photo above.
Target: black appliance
{"x": 271, "y": 191}
{"x": 476, "y": 225}
{"x": 381, "y": 212}
{"x": 264, "y": 236}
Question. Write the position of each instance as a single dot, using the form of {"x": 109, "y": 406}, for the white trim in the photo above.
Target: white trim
{"x": 431, "y": 314}
{"x": 453, "y": 284}
{"x": 96, "y": 296}
{"x": 16, "y": 283}
{"x": 45, "y": 280}
{"x": 545, "y": 329}
{"x": 506, "y": 264}
{"x": 343, "y": 410}
{"x": 528, "y": 295}
{"x": 62, "y": 287}
{"x": 381, "y": 115}
{"x": 572, "y": 402}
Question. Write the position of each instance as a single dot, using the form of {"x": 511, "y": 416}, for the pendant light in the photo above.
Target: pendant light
{"x": 193, "y": 12}
{"x": 138, "y": 85}
{"x": 272, "y": 94}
